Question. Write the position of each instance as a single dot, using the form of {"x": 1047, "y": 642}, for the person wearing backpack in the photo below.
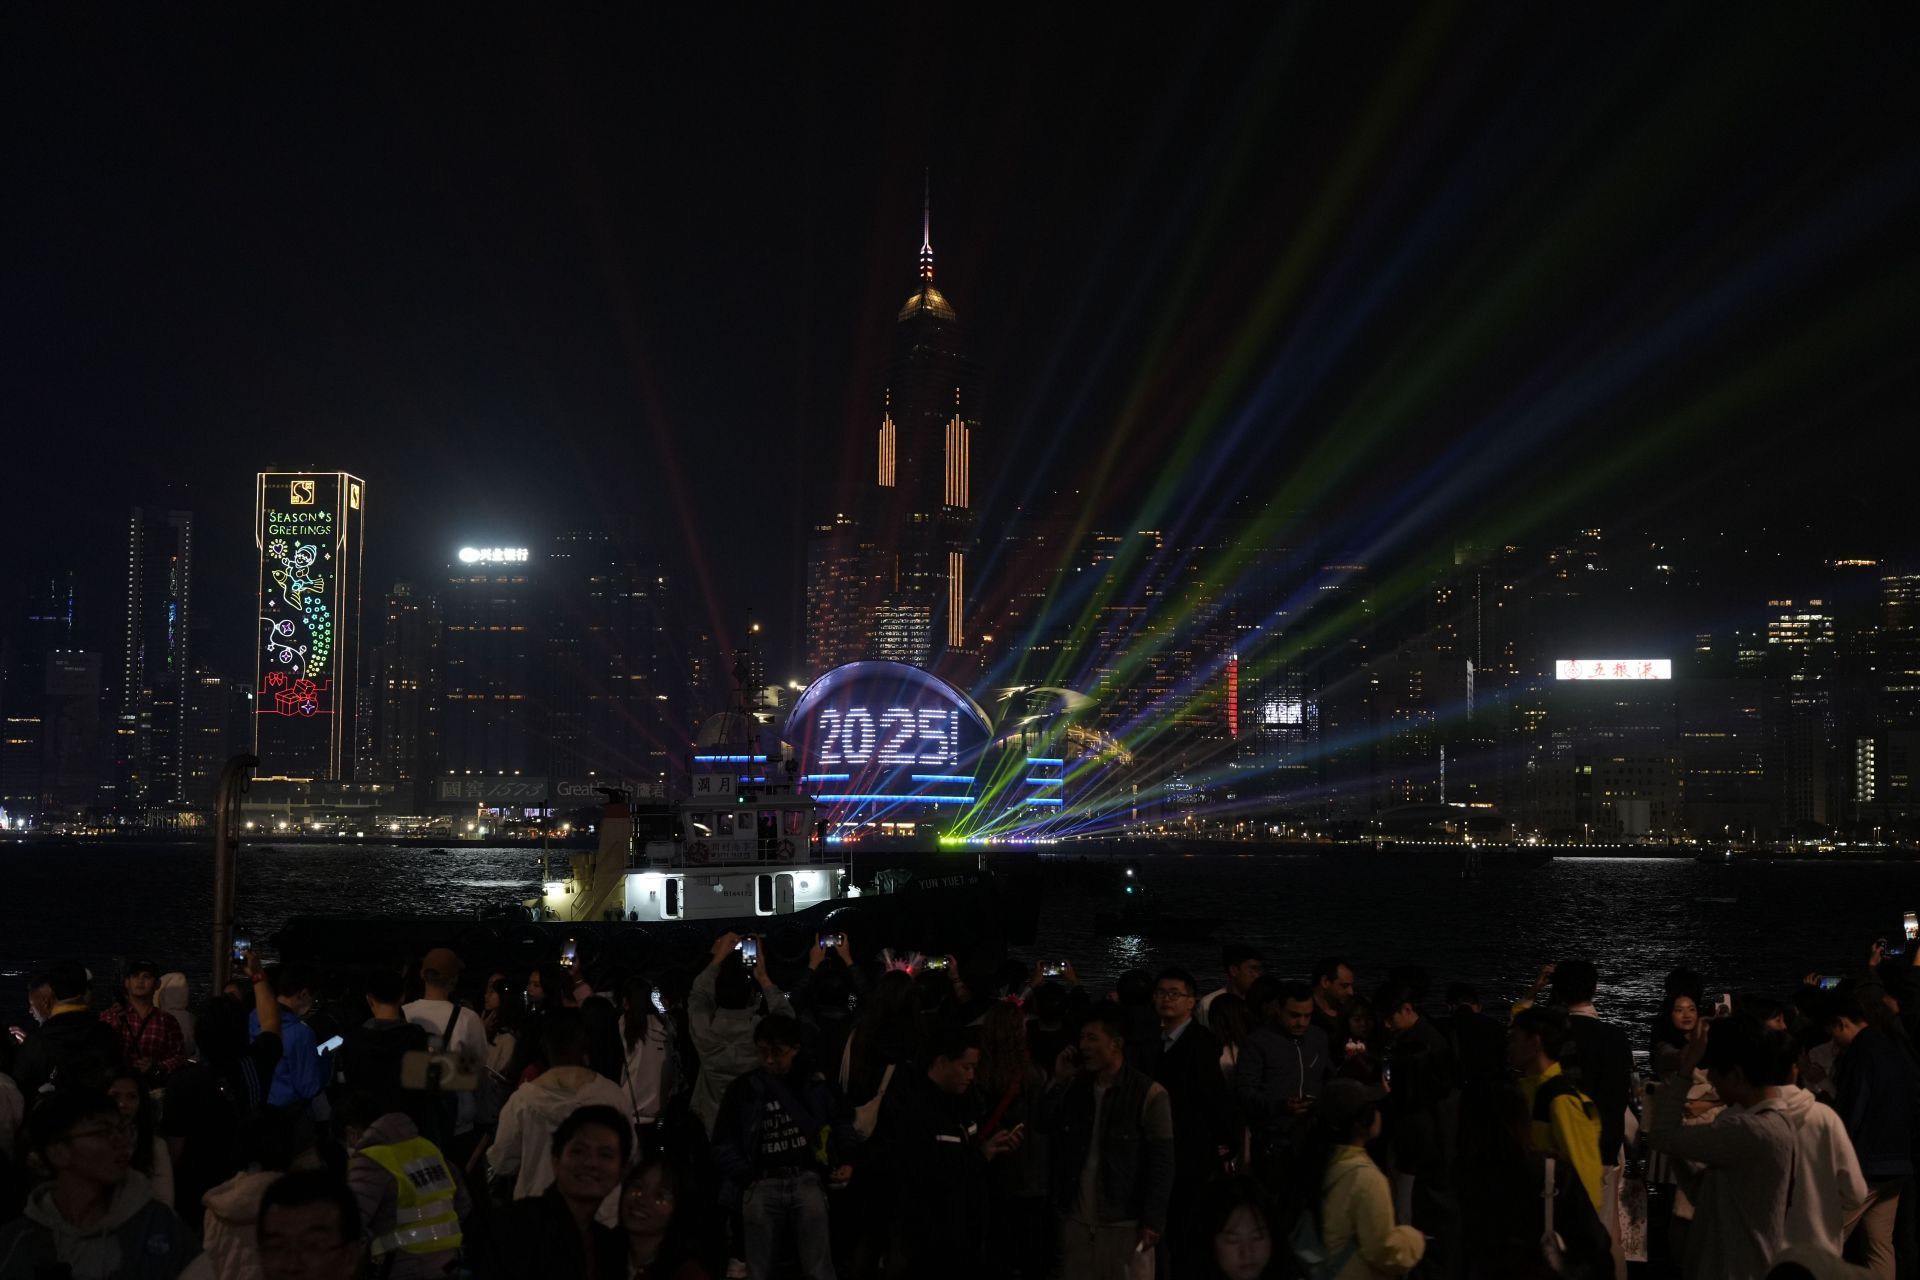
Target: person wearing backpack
{"x": 1346, "y": 1230}
{"x": 778, "y": 1133}
{"x": 454, "y": 1029}
{"x": 1566, "y": 1123}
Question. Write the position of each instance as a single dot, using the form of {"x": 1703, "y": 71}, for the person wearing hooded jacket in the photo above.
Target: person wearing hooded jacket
{"x": 1828, "y": 1188}
{"x": 522, "y": 1145}
{"x": 173, "y": 995}
{"x": 415, "y": 1228}
{"x": 72, "y": 1042}
{"x": 231, "y": 1224}
{"x": 96, "y": 1218}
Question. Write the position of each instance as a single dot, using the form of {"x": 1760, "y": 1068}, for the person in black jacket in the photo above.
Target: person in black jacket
{"x": 1185, "y": 1058}
{"x": 72, "y": 1048}
{"x": 368, "y": 1060}
{"x": 928, "y": 1146}
{"x": 1422, "y": 1117}
{"x": 555, "y": 1234}
{"x": 1111, "y": 1152}
{"x": 778, "y": 1131}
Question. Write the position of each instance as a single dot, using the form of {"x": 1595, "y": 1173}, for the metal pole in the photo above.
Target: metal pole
{"x": 226, "y": 804}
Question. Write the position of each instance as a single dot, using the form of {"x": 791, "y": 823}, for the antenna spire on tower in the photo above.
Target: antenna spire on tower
{"x": 926, "y": 227}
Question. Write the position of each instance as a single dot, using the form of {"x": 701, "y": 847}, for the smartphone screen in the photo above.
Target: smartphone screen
{"x": 1910, "y": 924}
{"x": 569, "y": 952}
{"x": 1829, "y": 981}
{"x": 749, "y": 950}
{"x": 1050, "y": 970}
{"x": 329, "y": 1046}
{"x": 659, "y": 1001}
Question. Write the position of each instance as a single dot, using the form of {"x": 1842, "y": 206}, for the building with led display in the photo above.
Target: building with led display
{"x": 899, "y": 564}
{"x": 308, "y": 529}
{"x": 155, "y": 663}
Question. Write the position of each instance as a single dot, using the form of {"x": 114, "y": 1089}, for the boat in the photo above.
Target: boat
{"x": 668, "y": 876}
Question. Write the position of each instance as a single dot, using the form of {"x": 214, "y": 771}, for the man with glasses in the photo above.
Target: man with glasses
{"x": 1205, "y": 1132}
{"x": 309, "y": 1228}
{"x": 96, "y": 1218}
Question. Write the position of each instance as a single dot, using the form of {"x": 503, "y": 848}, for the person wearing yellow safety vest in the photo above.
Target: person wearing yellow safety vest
{"x": 411, "y": 1200}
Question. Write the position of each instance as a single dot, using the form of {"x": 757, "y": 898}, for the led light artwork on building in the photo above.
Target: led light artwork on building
{"x": 884, "y": 733}
{"x": 307, "y": 532}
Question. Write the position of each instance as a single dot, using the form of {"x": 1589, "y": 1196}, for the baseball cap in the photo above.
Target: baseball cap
{"x": 1342, "y": 1100}
{"x": 141, "y": 966}
{"x": 441, "y": 962}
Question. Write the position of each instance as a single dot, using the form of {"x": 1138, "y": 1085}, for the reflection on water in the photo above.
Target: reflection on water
{"x": 1636, "y": 917}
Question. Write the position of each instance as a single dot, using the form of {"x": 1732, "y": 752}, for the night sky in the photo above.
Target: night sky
{"x": 1414, "y": 274}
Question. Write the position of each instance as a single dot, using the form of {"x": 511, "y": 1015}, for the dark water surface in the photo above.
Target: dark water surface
{"x": 1636, "y": 917}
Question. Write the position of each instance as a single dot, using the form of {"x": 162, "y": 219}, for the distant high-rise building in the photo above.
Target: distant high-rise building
{"x": 70, "y": 777}
{"x": 155, "y": 662}
{"x": 899, "y": 574}
{"x": 496, "y": 708}
{"x": 1898, "y": 651}
{"x": 209, "y": 735}
{"x": 308, "y": 529}
{"x": 407, "y": 752}
{"x": 618, "y": 709}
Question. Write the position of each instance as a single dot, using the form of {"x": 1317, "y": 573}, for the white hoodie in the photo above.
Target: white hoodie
{"x": 232, "y": 1220}
{"x": 523, "y": 1144}
{"x": 94, "y": 1252}
{"x": 1827, "y": 1184}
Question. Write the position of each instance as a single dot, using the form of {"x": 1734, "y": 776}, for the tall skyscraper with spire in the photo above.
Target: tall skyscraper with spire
{"x": 900, "y": 564}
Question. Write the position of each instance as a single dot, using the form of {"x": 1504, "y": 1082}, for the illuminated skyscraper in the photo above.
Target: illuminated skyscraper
{"x": 154, "y": 660}
{"x": 308, "y": 530}
{"x": 902, "y": 568}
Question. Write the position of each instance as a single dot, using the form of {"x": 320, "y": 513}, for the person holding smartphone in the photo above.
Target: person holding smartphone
{"x": 727, "y": 1001}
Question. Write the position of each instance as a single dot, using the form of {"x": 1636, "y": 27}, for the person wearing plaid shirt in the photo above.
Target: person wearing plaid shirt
{"x": 150, "y": 1038}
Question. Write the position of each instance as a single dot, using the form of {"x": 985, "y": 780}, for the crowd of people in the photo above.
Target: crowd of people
{"x": 909, "y": 1116}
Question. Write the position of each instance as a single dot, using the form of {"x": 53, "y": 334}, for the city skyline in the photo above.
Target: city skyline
{"x": 1256, "y": 336}
{"x": 1386, "y": 271}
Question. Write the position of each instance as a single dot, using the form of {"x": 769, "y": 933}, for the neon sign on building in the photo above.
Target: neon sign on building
{"x": 877, "y": 734}
{"x": 1613, "y": 669}
{"x": 307, "y": 531}
{"x": 493, "y": 555}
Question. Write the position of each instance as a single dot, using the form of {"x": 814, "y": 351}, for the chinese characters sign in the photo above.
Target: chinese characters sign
{"x": 1613, "y": 669}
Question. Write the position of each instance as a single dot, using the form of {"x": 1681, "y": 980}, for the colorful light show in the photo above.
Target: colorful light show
{"x": 883, "y": 742}
{"x": 307, "y": 531}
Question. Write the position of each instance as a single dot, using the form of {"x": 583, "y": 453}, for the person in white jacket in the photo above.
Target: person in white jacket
{"x": 1748, "y": 1155}
{"x": 721, "y": 1017}
{"x": 523, "y": 1144}
{"x": 1827, "y": 1187}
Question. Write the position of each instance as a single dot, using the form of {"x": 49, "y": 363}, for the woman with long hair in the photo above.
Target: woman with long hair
{"x": 658, "y": 1216}
{"x": 549, "y": 989}
{"x": 646, "y": 1039}
{"x": 150, "y": 1155}
{"x": 1010, "y": 1085}
{"x": 503, "y": 1008}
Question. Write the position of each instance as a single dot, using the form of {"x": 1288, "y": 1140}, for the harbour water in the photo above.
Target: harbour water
{"x": 1636, "y": 917}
